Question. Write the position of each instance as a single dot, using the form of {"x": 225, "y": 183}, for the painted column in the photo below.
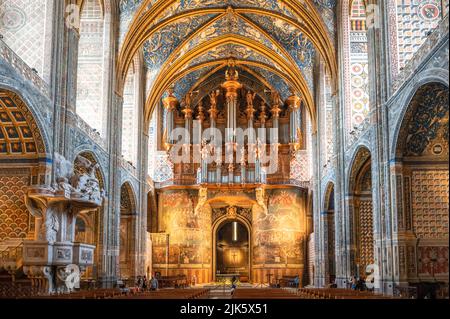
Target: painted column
{"x": 342, "y": 220}
{"x": 379, "y": 82}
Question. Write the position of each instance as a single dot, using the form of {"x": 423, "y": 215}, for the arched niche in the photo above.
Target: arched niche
{"x": 128, "y": 232}
{"x": 227, "y": 254}
{"x": 361, "y": 213}
{"x": 421, "y": 178}
{"x": 329, "y": 229}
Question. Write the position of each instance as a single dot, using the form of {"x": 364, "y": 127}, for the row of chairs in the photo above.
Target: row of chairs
{"x": 116, "y": 293}
{"x": 169, "y": 294}
{"x": 179, "y": 281}
{"x": 265, "y": 293}
{"x": 105, "y": 293}
{"x": 333, "y": 293}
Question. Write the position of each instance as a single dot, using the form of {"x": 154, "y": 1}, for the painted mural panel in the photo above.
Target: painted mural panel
{"x": 279, "y": 231}
{"x": 189, "y": 230}
{"x": 433, "y": 260}
{"x": 159, "y": 248}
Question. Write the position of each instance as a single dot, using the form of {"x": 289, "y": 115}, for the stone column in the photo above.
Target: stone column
{"x": 318, "y": 226}
{"x": 319, "y": 149}
{"x": 109, "y": 269}
{"x": 342, "y": 220}
{"x": 63, "y": 79}
{"x": 379, "y": 83}
{"x": 144, "y": 189}
{"x": 138, "y": 264}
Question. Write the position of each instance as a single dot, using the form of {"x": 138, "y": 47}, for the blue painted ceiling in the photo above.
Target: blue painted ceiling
{"x": 174, "y": 39}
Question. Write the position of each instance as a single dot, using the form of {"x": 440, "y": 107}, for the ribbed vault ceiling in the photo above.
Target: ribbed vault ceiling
{"x": 183, "y": 41}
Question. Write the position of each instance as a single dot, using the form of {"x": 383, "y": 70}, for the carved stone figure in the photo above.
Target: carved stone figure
{"x": 232, "y": 212}
{"x": 250, "y": 98}
{"x": 213, "y": 98}
{"x": 205, "y": 150}
{"x": 202, "y": 198}
{"x": 232, "y": 74}
{"x": 260, "y": 199}
{"x": 49, "y": 229}
{"x": 243, "y": 162}
{"x": 63, "y": 173}
{"x": 276, "y": 99}
{"x": 87, "y": 184}
{"x": 188, "y": 100}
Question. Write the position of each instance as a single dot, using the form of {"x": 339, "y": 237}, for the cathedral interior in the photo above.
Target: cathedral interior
{"x": 279, "y": 143}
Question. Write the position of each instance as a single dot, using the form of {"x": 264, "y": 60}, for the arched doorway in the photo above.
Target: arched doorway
{"x": 128, "y": 232}
{"x": 361, "y": 212}
{"x": 232, "y": 251}
{"x": 422, "y": 186}
{"x": 330, "y": 233}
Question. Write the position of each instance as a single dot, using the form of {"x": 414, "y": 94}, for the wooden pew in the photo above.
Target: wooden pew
{"x": 334, "y": 293}
{"x": 264, "y": 293}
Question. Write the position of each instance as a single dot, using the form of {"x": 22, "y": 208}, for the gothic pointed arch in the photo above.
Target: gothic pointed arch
{"x": 329, "y": 230}
{"x": 421, "y": 185}
{"x": 288, "y": 45}
{"x": 128, "y": 231}
{"x": 20, "y": 135}
{"x": 361, "y": 213}
{"x": 22, "y": 149}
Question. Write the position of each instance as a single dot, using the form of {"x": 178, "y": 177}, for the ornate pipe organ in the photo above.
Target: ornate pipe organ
{"x": 234, "y": 135}
{"x": 232, "y": 149}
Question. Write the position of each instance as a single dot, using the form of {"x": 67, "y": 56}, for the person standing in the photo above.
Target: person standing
{"x": 154, "y": 285}
{"x": 354, "y": 283}
{"x": 296, "y": 281}
{"x": 233, "y": 285}
{"x": 144, "y": 283}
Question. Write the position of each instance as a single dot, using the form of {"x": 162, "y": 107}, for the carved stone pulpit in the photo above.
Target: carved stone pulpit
{"x": 55, "y": 209}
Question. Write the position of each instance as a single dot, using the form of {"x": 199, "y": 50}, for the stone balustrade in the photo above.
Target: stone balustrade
{"x": 20, "y": 66}
{"x": 89, "y": 131}
{"x": 128, "y": 166}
